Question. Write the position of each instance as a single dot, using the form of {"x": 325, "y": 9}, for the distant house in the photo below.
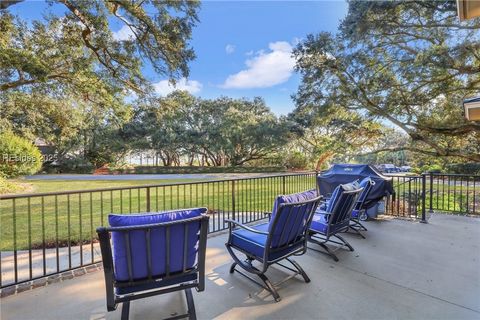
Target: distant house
{"x": 472, "y": 108}
{"x": 46, "y": 148}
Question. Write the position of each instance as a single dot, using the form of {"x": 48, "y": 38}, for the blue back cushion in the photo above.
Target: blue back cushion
{"x": 366, "y": 184}
{"x": 337, "y": 193}
{"x": 158, "y": 246}
{"x": 333, "y": 200}
{"x": 295, "y": 221}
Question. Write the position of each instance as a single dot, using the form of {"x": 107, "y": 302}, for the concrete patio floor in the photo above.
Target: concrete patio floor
{"x": 403, "y": 270}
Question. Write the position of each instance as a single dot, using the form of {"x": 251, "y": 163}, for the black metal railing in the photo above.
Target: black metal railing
{"x": 44, "y": 234}
{"x": 455, "y": 193}
{"x": 417, "y": 195}
{"x": 408, "y": 198}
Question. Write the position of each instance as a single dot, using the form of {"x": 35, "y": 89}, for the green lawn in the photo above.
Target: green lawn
{"x": 30, "y": 222}
{"x": 38, "y": 186}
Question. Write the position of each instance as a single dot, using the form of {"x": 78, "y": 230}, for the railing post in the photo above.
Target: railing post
{"x": 431, "y": 193}
{"x": 148, "y": 199}
{"x": 424, "y": 194}
{"x": 233, "y": 200}
{"x": 283, "y": 185}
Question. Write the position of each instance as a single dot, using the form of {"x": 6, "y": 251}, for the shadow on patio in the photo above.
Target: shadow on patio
{"x": 402, "y": 270}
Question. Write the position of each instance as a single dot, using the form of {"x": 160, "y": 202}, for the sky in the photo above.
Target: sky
{"x": 243, "y": 48}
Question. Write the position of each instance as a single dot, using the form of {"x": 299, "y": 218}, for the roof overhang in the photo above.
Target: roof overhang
{"x": 468, "y": 9}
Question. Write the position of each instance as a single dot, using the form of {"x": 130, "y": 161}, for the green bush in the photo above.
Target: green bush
{"x": 433, "y": 168}
{"x": 9, "y": 187}
{"x": 464, "y": 168}
{"x": 75, "y": 165}
{"x": 18, "y": 156}
{"x": 296, "y": 160}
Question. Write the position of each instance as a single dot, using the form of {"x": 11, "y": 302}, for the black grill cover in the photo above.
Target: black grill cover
{"x": 344, "y": 173}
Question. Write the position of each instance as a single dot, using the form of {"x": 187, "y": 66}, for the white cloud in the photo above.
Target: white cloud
{"x": 249, "y": 53}
{"x": 265, "y": 69}
{"x": 164, "y": 87}
{"x": 125, "y": 33}
{"x": 230, "y": 48}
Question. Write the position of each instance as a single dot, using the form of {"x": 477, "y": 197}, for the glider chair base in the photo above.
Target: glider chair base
{"x": 283, "y": 237}
{"x": 267, "y": 284}
{"x": 125, "y": 301}
{"x": 322, "y": 242}
{"x": 357, "y": 227}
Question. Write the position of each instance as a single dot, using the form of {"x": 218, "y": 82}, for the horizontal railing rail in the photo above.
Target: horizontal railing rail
{"x": 43, "y": 234}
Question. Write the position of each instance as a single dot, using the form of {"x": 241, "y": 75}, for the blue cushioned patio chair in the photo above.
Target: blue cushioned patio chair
{"x": 152, "y": 254}
{"x": 279, "y": 239}
{"x": 334, "y": 219}
{"x": 359, "y": 212}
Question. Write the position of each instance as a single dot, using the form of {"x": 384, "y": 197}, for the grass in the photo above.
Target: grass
{"x": 40, "y": 186}
{"x": 72, "y": 219}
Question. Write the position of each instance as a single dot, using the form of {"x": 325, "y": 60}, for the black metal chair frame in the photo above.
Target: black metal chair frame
{"x": 355, "y": 223}
{"x": 111, "y": 283}
{"x": 345, "y": 210}
{"x": 301, "y": 242}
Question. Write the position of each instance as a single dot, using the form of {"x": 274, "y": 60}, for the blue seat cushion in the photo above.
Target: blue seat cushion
{"x": 254, "y": 243}
{"x": 355, "y": 213}
{"x": 320, "y": 224}
{"x": 158, "y": 246}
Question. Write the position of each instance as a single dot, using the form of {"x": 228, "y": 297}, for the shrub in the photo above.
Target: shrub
{"x": 464, "y": 168}
{"x": 18, "y": 156}
{"x": 296, "y": 160}
{"x": 74, "y": 165}
{"x": 9, "y": 187}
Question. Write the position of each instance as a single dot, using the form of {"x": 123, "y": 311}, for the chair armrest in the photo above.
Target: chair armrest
{"x": 236, "y": 223}
{"x": 269, "y": 215}
{"x": 326, "y": 213}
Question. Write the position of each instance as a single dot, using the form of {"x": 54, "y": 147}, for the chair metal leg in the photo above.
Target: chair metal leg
{"x": 361, "y": 226}
{"x": 344, "y": 241}
{"x": 125, "y": 310}
{"x": 300, "y": 270}
{"x": 192, "y": 315}
{"x": 267, "y": 284}
{"x": 270, "y": 287}
{"x": 356, "y": 230}
{"x": 247, "y": 266}
{"x": 232, "y": 267}
{"x": 326, "y": 250}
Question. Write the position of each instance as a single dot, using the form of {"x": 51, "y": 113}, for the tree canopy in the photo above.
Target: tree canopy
{"x": 65, "y": 78}
{"x": 78, "y": 48}
{"x": 408, "y": 64}
{"x": 218, "y": 132}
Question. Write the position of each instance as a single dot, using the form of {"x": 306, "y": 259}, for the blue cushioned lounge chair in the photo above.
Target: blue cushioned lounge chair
{"x": 279, "y": 239}
{"x": 359, "y": 212}
{"x": 152, "y": 254}
{"x": 334, "y": 219}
